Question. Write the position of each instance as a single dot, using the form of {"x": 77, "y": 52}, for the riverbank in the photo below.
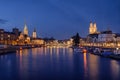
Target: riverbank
{"x": 112, "y": 56}
{"x": 7, "y": 50}
{"x": 11, "y": 49}
{"x": 113, "y": 53}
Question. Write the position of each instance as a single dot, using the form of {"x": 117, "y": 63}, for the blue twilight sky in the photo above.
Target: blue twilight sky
{"x": 60, "y": 18}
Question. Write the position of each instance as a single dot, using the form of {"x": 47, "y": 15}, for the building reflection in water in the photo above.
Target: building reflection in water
{"x": 20, "y": 55}
{"x": 58, "y": 61}
{"x": 63, "y": 51}
{"x": 23, "y": 59}
{"x": 40, "y": 50}
{"x": 45, "y": 51}
{"x": 34, "y": 56}
{"x": 93, "y": 67}
{"x": 34, "y": 52}
{"x": 115, "y": 68}
{"x": 57, "y": 52}
{"x": 85, "y": 64}
{"x": 21, "y": 63}
{"x": 51, "y": 51}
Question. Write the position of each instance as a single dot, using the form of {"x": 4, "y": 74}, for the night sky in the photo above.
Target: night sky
{"x": 60, "y": 18}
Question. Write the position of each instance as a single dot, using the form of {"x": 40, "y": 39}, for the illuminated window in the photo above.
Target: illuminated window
{"x": 1, "y": 38}
{"x": 1, "y": 31}
{"x": 8, "y": 35}
{"x": 1, "y": 34}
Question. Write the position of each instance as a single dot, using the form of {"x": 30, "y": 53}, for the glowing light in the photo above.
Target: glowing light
{"x": 84, "y": 51}
{"x": 85, "y": 63}
{"x": 117, "y": 48}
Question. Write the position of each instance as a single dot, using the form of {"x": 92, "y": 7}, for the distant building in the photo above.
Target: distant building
{"x": 92, "y": 38}
{"x": 34, "y": 35}
{"x": 25, "y": 31}
{"x": 8, "y": 37}
{"x": 117, "y": 37}
{"x": 93, "y": 28}
{"x": 24, "y": 37}
{"x": 16, "y": 32}
{"x": 106, "y": 36}
{"x": 37, "y": 41}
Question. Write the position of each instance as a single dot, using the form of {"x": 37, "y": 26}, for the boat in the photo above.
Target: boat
{"x": 97, "y": 50}
{"x": 117, "y": 51}
{"x": 80, "y": 49}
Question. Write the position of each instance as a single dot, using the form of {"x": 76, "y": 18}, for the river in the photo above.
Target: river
{"x": 57, "y": 64}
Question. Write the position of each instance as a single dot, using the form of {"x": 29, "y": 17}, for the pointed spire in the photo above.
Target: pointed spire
{"x": 25, "y": 31}
{"x": 94, "y": 24}
{"x": 95, "y": 27}
{"x": 91, "y": 24}
{"x": 91, "y": 28}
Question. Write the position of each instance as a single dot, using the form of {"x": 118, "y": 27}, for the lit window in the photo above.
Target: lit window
{"x": 8, "y": 35}
{"x": 1, "y": 38}
{"x": 1, "y": 34}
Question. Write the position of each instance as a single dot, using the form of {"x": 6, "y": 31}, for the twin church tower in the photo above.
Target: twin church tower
{"x": 92, "y": 28}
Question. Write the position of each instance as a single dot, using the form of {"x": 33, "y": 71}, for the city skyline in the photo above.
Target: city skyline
{"x": 60, "y": 18}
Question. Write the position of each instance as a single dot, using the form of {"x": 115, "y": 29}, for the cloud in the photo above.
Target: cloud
{"x": 2, "y": 21}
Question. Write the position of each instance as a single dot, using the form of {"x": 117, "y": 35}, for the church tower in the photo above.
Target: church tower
{"x": 25, "y": 31}
{"x": 34, "y": 35}
{"x": 92, "y": 28}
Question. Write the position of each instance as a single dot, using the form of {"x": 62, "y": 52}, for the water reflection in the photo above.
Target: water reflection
{"x": 115, "y": 68}
{"x": 34, "y": 51}
{"x": 94, "y": 67}
{"x": 51, "y": 51}
{"x": 85, "y": 64}
{"x": 57, "y": 63}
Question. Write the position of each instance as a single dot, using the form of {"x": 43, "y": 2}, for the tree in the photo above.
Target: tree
{"x": 76, "y": 39}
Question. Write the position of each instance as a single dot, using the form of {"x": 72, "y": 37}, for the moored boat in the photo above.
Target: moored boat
{"x": 80, "y": 49}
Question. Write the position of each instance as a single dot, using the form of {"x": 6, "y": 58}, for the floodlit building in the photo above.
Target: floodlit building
{"x": 34, "y": 35}
{"x": 37, "y": 41}
{"x": 25, "y": 31}
{"x": 8, "y": 37}
{"x": 92, "y": 28}
{"x": 106, "y": 36}
{"x": 24, "y": 37}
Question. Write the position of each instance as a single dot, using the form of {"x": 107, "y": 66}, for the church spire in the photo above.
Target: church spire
{"x": 25, "y": 32}
{"x": 34, "y": 35}
{"x": 95, "y": 28}
{"x": 91, "y": 28}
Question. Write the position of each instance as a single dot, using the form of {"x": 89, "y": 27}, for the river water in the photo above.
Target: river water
{"x": 57, "y": 64}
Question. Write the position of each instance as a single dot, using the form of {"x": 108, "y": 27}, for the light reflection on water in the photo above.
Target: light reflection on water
{"x": 85, "y": 64}
{"x": 115, "y": 69}
{"x": 57, "y": 63}
{"x": 93, "y": 66}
